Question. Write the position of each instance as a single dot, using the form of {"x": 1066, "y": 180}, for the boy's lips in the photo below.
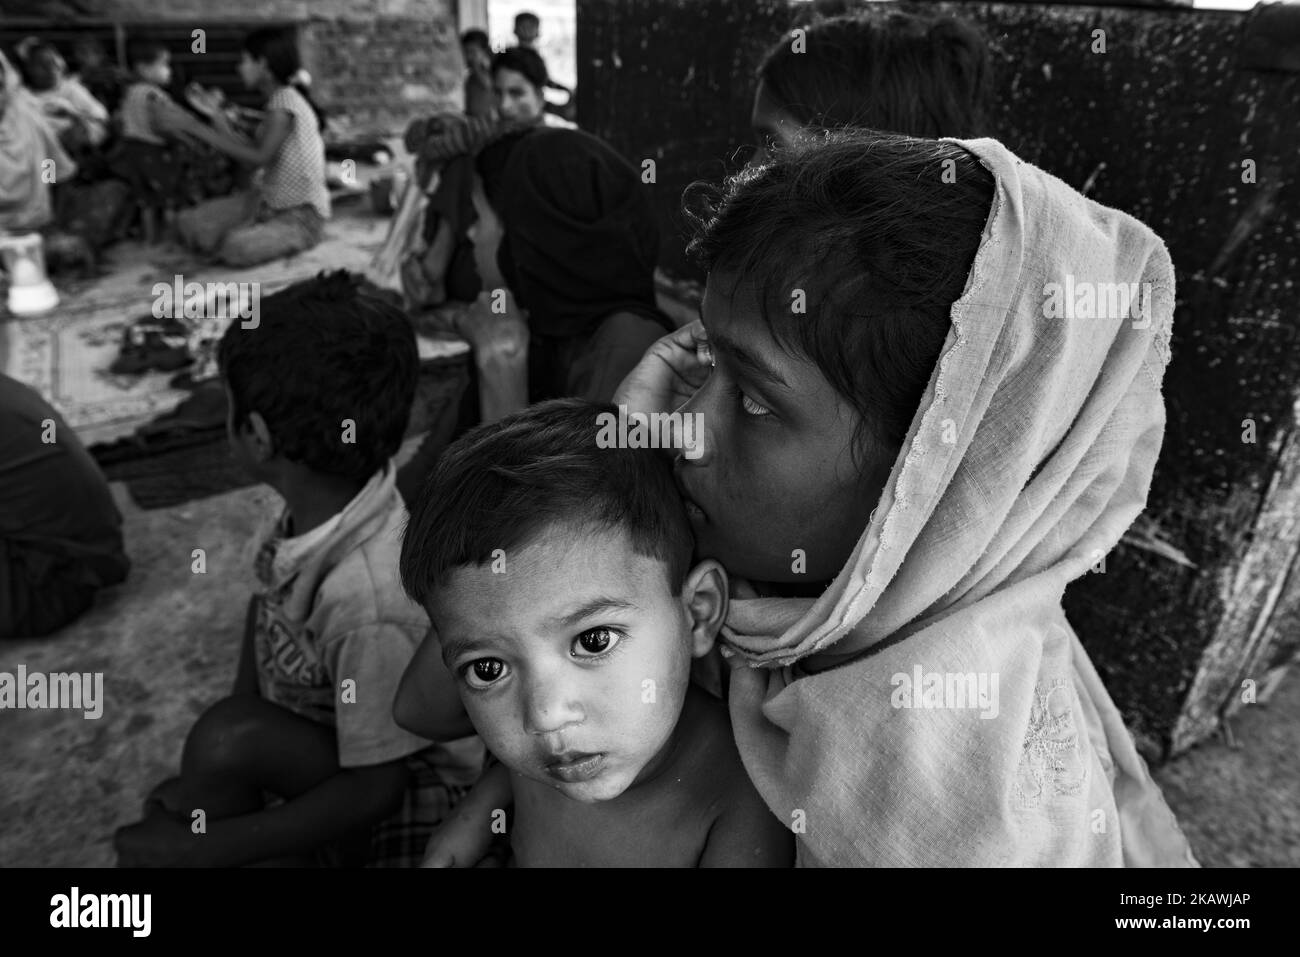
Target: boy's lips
{"x": 573, "y": 767}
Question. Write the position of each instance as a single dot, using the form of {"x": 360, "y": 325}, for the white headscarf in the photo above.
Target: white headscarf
{"x": 1030, "y": 455}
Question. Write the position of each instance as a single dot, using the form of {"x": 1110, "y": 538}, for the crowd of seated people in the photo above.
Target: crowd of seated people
{"x": 104, "y": 153}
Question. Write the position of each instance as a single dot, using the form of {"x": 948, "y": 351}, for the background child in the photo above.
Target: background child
{"x": 96, "y": 73}
{"x": 558, "y": 578}
{"x": 143, "y": 158}
{"x": 330, "y": 632}
{"x": 79, "y": 119}
{"x": 479, "y": 98}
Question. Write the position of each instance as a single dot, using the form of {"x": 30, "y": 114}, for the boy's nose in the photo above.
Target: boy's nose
{"x": 550, "y": 705}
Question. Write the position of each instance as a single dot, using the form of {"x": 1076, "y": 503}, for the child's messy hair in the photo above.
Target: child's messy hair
{"x": 501, "y": 484}
{"x": 879, "y": 231}
{"x": 325, "y": 350}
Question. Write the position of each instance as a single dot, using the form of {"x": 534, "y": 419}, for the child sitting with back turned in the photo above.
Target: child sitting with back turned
{"x": 558, "y": 578}
{"x": 304, "y": 762}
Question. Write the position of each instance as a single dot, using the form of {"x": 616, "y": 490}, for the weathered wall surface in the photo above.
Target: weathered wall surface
{"x": 1159, "y": 125}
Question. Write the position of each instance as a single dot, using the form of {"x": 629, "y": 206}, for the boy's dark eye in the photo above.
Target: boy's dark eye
{"x": 595, "y": 641}
{"x": 483, "y": 672}
{"x": 489, "y": 669}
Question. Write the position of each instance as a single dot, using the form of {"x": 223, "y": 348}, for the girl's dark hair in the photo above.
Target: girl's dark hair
{"x": 525, "y": 61}
{"x": 279, "y": 47}
{"x": 879, "y": 231}
{"x": 899, "y": 72}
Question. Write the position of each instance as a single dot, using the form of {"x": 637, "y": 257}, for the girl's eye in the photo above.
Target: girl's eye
{"x": 751, "y": 407}
{"x": 594, "y": 641}
{"x": 483, "y": 672}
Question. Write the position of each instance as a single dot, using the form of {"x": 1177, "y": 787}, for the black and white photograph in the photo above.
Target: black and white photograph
{"x": 464, "y": 434}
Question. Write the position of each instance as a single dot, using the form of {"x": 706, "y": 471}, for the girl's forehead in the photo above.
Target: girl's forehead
{"x": 507, "y": 77}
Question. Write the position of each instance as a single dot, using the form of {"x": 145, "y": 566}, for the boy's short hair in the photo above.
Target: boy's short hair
{"x": 144, "y": 52}
{"x": 476, "y": 38}
{"x": 526, "y": 17}
{"x": 502, "y": 483}
{"x": 325, "y": 350}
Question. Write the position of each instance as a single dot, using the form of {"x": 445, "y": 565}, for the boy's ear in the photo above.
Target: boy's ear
{"x": 705, "y": 596}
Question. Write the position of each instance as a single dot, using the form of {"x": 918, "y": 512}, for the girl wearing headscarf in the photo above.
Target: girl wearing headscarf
{"x": 442, "y": 267}
{"x": 564, "y": 249}
{"x": 577, "y": 244}
{"x": 903, "y": 477}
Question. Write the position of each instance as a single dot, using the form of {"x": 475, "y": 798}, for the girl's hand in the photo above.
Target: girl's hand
{"x": 207, "y": 102}
{"x": 671, "y": 371}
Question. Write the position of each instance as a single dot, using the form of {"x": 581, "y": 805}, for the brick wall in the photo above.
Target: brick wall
{"x": 377, "y": 74}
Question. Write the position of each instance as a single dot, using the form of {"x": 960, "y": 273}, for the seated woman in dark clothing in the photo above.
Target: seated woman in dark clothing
{"x": 578, "y": 252}
{"x": 444, "y": 270}
{"x": 60, "y": 532}
{"x": 565, "y": 244}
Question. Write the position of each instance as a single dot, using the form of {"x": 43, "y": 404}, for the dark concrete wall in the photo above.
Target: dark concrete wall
{"x": 1159, "y": 126}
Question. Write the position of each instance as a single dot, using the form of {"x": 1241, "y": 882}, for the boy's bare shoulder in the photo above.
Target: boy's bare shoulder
{"x": 744, "y": 832}
{"x": 714, "y": 759}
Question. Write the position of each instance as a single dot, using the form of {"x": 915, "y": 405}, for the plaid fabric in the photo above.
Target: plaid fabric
{"x": 296, "y": 175}
{"x": 400, "y": 840}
